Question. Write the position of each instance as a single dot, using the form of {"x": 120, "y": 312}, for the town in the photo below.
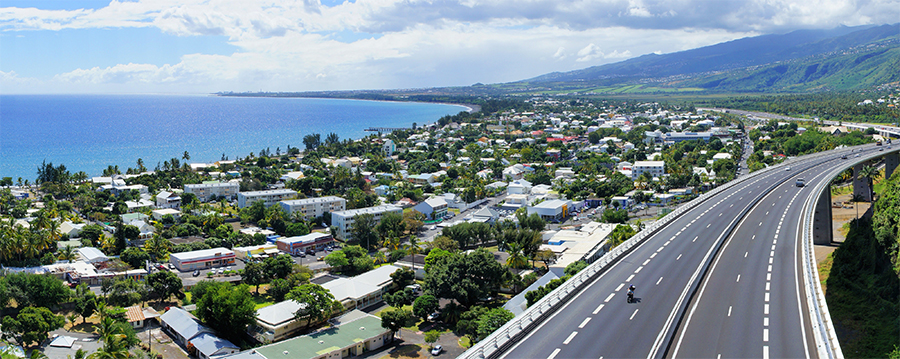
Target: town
{"x": 419, "y": 240}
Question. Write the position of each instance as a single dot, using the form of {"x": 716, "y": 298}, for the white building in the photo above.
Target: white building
{"x": 204, "y": 191}
{"x": 435, "y": 207}
{"x": 651, "y": 168}
{"x": 269, "y": 197}
{"x": 314, "y": 207}
{"x": 202, "y": 259}
{"x": 166, "y": 199}
{"x": 553, "y": 210}
{"x": 344, "y": 219}
{"x": 363, "y": 290}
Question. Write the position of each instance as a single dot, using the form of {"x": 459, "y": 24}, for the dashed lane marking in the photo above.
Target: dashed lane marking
{"x": 586, "y": 320}
{"x": 569, "y": 339}
{"x": 553, "y": 355}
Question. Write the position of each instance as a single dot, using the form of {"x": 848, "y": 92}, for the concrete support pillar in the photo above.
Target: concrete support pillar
{"x": 860, "y": 185}
{"x": 891, "y": 161}
{"x": 822, "y": 219}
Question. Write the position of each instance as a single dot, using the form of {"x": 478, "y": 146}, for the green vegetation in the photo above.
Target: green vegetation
{"x": 863, "y": 286}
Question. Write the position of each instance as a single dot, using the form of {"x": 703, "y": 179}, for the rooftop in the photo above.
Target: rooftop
{"x": 325, "y": 341}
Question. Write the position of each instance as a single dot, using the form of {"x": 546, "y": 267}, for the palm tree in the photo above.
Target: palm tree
{"x": 186, "y": 156}
{"x": 413, "y": 249}
{"x": 157, "y": 246}
{"x": 870, "y": 173}
{"x": 66, "y": 254}
{"x": 517, "y": 259}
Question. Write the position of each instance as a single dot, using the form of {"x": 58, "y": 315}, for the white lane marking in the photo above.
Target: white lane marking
{"x": 586, "y": 320}
{"x": 772, "y": 253}
{"x": 707, "y": 226}
{"x": 632, "y": 314}
{"x": 646, "y": 261}
{"x": 719, "y": 356}
{"x": 769, "y": 276}
{"x": 760, "y": 224}
{"x": 720, "y": 214}
{"x": 767, "y": 297}
{"x": 732, "y": 205}
{"x": 695, "y": 238}
{"x": 770, "y": 268}
{"x": 620, "y": 287}
{"x": 765, "y": 321}
{"x": 754, "y": 237}
{"x": 553, "y": 355}
{"x": 638, "y": 270}
{"x": 765, "y": 352}
{"x": 569, "y": 339}
{"x": 773, "y": 204}
{"x": 768, "y": 285}
{"x": 738, "y": 279}
{"x": 598, "y": 308}
{"x": 766, "y": 309}
{"x": 679, "y": 257}
{"x": 745, "y": 254}
{"x": 653, "y": 255}
{"x": 609, "y": 298}
{"x": 765, "y": 335}
{"x": 770, "y": 260}
{"x": 660, "y": 249}
{"x": 630, "y": 278}
{"x": 729, "y": 310}
{"x": 667, "y": 243}
{"x": 767, "y": 213}
{"x": 659, "y": 280}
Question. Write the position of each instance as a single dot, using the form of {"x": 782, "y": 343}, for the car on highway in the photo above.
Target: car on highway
{"x": 788, "y": 168}
{"x": 843, "y": 157}
{"x": 800, "y": 182}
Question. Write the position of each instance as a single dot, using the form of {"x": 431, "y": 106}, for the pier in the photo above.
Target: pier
{"x": 386, "y": 129}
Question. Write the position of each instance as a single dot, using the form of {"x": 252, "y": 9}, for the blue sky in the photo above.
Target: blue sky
{"x": 202, "y": 46}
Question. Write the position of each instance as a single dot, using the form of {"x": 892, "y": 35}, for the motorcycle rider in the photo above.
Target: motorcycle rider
{"x": 631, "y": 293}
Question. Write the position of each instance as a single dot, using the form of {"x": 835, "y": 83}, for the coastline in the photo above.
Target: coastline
{"x": 470, "y": 108}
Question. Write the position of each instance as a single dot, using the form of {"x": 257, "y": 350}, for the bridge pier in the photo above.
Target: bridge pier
{"x": 822, "y": 219}
{"x": 891, "y": 161}
{"x": 860, "y": 185}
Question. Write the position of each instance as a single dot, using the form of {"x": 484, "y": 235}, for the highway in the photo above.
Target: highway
{"x": 747, "y": 305}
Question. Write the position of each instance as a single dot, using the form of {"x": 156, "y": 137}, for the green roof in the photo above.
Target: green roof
{"x": 332, "y": 339}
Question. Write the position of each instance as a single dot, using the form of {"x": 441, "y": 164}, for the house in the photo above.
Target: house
{"x": 145, "y": 229}
{"x": 135, "y": 316}
{"x": 363, "y": 290}
{"x": 721, "y": 156}
{"x": 92, "y": 255}
{"x": 268, "y": 197}
{"x": 388, "y": 147}
{"x": 353, "y": 334}
{"x": 486, "y": 214}
{"x": 515, "y": 201}
{"x": 311, "y": 208}
{"x": 432, "y": 208}
{"x": 292, "y": 176}
{"x": 166, "y": 199}
{"x": 158, "y": 214}
{"x": 423, "y": 179}
{"x": 276, "y": 322}
{"x": 519, "y": 186}
{"x": 383, "y": 190}
{"x": 514, "y": 172}
{"x": 196, "y": 338}
{"x": 70, "y": 229}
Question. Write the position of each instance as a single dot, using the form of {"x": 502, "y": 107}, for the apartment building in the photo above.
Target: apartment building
{"x": 314, "y": 207}
{"x": 344, "y": 219}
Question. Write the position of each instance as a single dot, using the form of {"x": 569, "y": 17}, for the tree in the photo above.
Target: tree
{"x": 164, "y": 284}
{"x": 37, "y": 290}
{"x": 403, "y": 277}
{"x": 869, "y": 173}
{"x": 320, "y": 304}
{"x": 32, "y": 324}
{"x": 492, "y": 320}
{"x": 85, "y": 301}
{"x": 432, "y": 336}
{"x": 66, "y": 254}
{"x": 227, "y": 308}
{"x": 337, "y": 259}
{"x": 575, "y": 267}
{"x": 124, "y": 292}
{"x": 464, "y": 277}
{"x": 391, "y": 225}
{"x": 279, "y": 288}
{"x": 296, "y": 229}
{"x": 533, "y": 222}
{"x": 362, "y": 231}
{"x": 400, "y": 298}
{"x": 135, "y": 257}
{"x": 279, "y": 266}
{"x": 158, "y": 247}
{"x": 394, "y": 319}
{"x": 444, "y": 243}
{"x": 425, "y": 305}
{"x": 255, "y": 274}
{"x": 92, "y": 232}
{"x": 413, "y": 220}
{"x": 615, "y": 216}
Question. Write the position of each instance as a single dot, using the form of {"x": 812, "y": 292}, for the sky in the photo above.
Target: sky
{"x": 204, "y": 46}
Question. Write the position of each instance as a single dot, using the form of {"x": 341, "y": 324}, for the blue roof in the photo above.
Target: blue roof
{"x": 209, "y": 344}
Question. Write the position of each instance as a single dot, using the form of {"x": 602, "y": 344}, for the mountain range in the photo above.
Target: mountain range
{"x": 843, "y": 58}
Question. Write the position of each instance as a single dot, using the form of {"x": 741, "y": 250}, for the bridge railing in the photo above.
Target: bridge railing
{"x": 827, "y": 345}
{"x": 508, "y": 334}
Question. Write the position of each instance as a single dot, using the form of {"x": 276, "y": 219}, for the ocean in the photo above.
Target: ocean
{"x": 90, "y": 132}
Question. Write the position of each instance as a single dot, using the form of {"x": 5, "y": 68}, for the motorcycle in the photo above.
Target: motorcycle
{"x": 630, "y": 298}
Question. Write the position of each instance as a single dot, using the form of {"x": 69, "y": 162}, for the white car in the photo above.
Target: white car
{"x": 437, "y": 349}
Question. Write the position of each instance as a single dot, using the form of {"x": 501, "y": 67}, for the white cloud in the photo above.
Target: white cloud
{"x": 589, "y": 53}
{"x": 303, "y": 45}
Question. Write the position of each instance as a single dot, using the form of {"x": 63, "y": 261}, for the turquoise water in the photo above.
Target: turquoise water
{"x": 90, "y": 132}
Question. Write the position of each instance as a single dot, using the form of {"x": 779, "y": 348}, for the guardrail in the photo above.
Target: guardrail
{"x": 513, "y": 330}
{"x": 827, "y": 345}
